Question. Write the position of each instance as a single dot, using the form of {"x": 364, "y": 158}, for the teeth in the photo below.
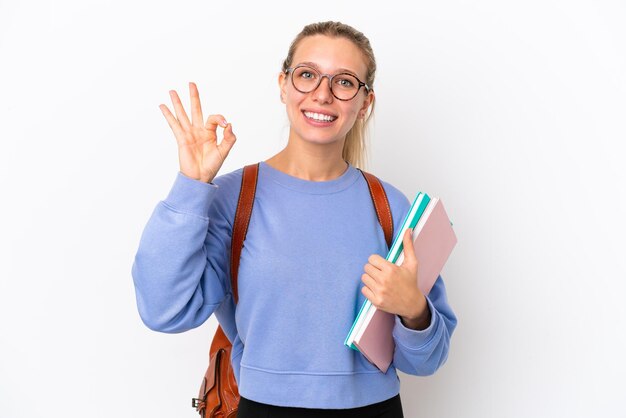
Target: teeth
{"x": 319, "y": 116}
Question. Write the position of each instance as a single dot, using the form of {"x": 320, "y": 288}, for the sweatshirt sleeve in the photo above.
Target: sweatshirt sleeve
{"x": 180, "y": 271}
{"x": 423, "y": 352}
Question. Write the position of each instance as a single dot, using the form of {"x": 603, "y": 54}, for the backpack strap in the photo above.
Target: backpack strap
{"x": 381, "y": 205}
{"x": 242, "y": 220}
{"x": 240, "y": 228}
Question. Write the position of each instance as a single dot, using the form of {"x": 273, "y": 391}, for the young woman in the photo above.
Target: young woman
{"x": 313, "y": 252}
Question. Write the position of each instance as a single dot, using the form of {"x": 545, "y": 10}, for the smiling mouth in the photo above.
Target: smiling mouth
{"x": 319, "y": 117}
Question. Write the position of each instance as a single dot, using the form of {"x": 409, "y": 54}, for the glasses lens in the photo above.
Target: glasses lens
{"x": 305, "y": 79}
{"x": 345, "y": 86}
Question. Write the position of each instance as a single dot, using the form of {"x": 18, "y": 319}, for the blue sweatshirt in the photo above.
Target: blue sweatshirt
{"x": 299, "y": 285}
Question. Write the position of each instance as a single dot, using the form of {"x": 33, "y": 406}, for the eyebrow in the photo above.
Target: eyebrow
{"x": 339, "y": 70}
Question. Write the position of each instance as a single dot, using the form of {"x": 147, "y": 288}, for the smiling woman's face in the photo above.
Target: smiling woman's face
{"x": 327, "y": 55}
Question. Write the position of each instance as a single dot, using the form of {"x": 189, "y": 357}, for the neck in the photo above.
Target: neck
{"x": 308, "y": 161}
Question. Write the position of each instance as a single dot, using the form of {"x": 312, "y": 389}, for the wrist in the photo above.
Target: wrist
{"x": 422, "y": 318}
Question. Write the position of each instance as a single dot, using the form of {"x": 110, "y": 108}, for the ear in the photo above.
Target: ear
{"x": 366, "y": 104}
{"x": 282, "y": 85}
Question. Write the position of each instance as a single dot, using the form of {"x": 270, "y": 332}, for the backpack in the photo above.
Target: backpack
{"x": 219, "y": 395}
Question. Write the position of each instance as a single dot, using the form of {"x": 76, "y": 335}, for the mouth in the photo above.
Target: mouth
{"x": 319, "y": 117}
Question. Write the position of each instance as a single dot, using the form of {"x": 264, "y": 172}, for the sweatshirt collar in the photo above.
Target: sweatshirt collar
{"x": 307, "y": 186}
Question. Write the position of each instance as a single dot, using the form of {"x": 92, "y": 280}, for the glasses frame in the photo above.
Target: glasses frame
{"x": 330, "y": 81}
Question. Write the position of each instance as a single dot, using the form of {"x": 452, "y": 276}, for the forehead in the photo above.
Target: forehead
{"x": 330, "y": 54}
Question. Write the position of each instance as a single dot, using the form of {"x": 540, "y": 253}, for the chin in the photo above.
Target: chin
{"x": 320, "y": 136}
{"x": 322, "y": 139}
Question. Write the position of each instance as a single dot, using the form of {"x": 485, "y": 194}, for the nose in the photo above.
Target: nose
{"x": 323, "y": 92}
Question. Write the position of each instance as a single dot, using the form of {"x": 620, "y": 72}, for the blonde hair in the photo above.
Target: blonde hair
{"x": 354, "y": 148}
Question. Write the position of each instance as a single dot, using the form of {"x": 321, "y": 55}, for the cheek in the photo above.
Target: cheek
{"x": 351, "y": 112}
{"x": 355, "y": 107}
{"x": 292, "y": 103}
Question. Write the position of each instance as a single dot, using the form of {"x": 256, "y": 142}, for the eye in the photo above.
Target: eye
{"x": 345, "y": 82}
{"x": 305, "y": 74}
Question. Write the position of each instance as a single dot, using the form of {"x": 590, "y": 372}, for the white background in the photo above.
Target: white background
{"x": 512, "y": 112}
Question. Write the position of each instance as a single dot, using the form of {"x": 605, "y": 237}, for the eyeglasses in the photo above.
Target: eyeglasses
{"x": 344, "y": 86}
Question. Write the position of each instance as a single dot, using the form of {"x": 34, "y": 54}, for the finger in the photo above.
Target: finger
{"x": 370, "y": 282}
{"x": 409, "y": 250}
{"x": 378, "y": 261}
{"x": 372, "y": 271}
{"x": 172, "y": 121}
{"x": 213, "y": 121}
{"x": 180, "y": 111}
{"x": 228, "y": 141}
{"x": 368, "y": 294}
{"x": 196, "y": 107}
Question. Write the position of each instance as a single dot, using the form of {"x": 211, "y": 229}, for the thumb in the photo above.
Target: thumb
{"x": 228, "y": 140}
{"x": 409, "y": 252}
